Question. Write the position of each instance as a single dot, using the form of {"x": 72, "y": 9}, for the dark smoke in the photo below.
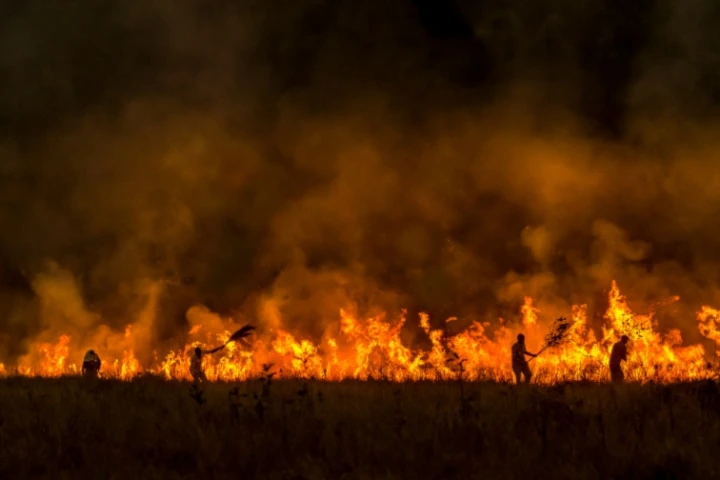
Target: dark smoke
{"x": 287, "y": 159}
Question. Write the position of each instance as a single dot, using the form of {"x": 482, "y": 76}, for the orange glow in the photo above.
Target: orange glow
{"x": 373, "y": 348}
{"x": 530, "y": 313}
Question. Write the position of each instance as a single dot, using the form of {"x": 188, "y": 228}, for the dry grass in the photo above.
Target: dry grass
{"x": 150, "y": 428}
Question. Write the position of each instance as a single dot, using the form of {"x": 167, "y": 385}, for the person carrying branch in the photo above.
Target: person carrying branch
{"x": 519, "y": 363}
{"x": 91, "y": 365}
{"x": 618, "y": 354}
{"x": 196, "y": 369}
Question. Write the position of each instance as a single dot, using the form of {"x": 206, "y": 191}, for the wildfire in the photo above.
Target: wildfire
{"x": 373, "y": 348}
{"x": 530, "y": 313}
{"x": 54, "y": 358}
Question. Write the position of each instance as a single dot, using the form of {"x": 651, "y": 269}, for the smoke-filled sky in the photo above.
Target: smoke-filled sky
{"x": 292, "y": 158}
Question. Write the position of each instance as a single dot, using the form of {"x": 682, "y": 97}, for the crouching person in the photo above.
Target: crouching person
{"x": 91, "y": 365}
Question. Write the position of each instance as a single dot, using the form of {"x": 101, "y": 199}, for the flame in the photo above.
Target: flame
{"x": 51, "y": 358}
{"x": 374, "y": 348}
{"x": 530, "y": 313}
{"x": 709, "y": 319}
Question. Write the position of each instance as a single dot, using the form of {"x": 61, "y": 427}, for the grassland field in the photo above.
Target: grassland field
{"x": 293, "y": 429}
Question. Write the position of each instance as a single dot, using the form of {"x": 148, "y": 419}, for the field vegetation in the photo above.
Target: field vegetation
{"x": 294, "y": 429}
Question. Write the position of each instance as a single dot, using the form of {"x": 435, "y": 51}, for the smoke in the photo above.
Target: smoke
{"x": 164, "y": 161}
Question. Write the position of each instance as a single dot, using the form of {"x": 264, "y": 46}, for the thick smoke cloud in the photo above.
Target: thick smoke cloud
{"x": 160, "y": 161}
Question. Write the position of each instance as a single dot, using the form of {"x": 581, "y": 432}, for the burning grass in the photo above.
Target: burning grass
{"x": 152, "y": 428}
{"x": 372, "y": 348}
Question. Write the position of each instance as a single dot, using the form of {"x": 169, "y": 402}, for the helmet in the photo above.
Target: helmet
{"x": 520, "y": 337}
{"x": 624, "y": 339}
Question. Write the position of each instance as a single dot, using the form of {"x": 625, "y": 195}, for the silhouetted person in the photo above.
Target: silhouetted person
{"x": 196, "y": 369}
{"x": 91, "y": 365}
{"x": 618, "y": 354}
{"x": 519, "y": 364}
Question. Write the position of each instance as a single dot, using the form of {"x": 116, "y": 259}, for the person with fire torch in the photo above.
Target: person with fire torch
{"x": 91, "y": 365}
{"x": 618, "y": 354}
{"x": 519, "y": 363}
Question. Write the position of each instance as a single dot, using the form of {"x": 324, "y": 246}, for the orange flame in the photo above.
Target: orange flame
{"x": 530, "y": 313}
{"x": 373, "y": 348}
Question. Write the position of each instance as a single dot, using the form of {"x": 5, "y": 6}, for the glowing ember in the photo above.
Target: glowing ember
{"x": 372, "y": 348}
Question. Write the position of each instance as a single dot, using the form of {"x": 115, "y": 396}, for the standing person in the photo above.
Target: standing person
{"x": 91, "y": 365}
{"x": 196, "y": 369}
{"x": 519, "y": 364}
{"x": 618, "y": 354}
